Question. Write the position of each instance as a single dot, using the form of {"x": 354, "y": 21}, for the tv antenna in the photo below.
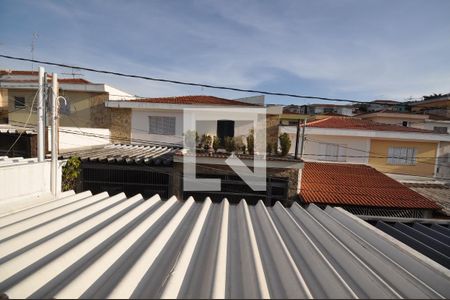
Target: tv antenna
{"x": 73, "y": 74}
{"x": 33, "y": 46}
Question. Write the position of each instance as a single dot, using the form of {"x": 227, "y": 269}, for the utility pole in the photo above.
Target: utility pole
{"x": 55, "y": 128}
{"x": 297, "y": 139}
{"x": 303, "y": 138}
{"x": 41, "y": 117}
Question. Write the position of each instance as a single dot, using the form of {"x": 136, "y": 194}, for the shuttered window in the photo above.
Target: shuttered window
{"x": 19, "y": 102}
{"x": 401, "y": 156}
{"x": 161, "y": 125}
{"x": 333, "y": 152}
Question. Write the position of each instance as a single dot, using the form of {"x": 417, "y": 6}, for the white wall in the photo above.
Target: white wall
{"x": 139, "y": 124}
{"x": 77, "y": 137}
{"x": 443, "y": 168}
{"x": 26, "y": 179}
{"x": 429, "y": 125}
{"x": 313, "y": 149}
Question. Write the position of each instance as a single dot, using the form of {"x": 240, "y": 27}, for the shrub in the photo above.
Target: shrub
{"x": 251, "y": 142}
{"x": 238, "y": 143}
{"x": 285, "y": 144}
{"x": 208, "y": 142}
{"x": 70, "y": 173}
{"x": 229, "y": 144}
{"x": 216, "y": 143}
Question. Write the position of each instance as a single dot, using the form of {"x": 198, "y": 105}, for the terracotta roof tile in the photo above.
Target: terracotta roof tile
{"x": 360, "y": 124}
{"x": 361, "y": 185}
{"x": 240, "y": 156}
{"x": 195, "y": 100}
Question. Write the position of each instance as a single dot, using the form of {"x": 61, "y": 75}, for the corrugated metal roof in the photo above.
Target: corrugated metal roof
{"x": 432, "y": 239}
{"x": 8, "y": 161}
{"x": 5, "y": 129}
{"x": 127, "y": 154}
{"x": 94, "y": 246}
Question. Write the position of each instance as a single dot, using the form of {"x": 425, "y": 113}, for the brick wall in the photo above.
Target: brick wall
{"x": 120, "y": 125}
{"x": 272, "y": 122}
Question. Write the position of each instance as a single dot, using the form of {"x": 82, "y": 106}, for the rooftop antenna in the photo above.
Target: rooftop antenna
{"x": 33, "y": 45}
{"x": 73, "y": 74}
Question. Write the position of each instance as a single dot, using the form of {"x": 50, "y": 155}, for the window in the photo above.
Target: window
{"x": 333, "y": 152}
{"x": 19, "y": 102}
{"x": 439, "y": 129}
{"x": 401, "y": 156}
{"x": 161, "y": 125}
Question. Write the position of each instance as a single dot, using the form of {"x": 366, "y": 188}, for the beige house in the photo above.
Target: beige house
{"x": 388, "y": 148}
{"x": 84, "y": 119}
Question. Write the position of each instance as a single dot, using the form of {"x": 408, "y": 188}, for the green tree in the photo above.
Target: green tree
{"x": 70, "y": 173}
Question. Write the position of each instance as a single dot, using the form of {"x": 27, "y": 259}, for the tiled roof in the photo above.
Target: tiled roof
{"x": 359, "y": 124}
{"x": 195, "y": 100}
{"x": 127, "y": 154}
{"x": 357, "y": 185}
{"x": 60, "y": 80}
{"x": 240, "y": 156}
{"x": 102, "y": 246}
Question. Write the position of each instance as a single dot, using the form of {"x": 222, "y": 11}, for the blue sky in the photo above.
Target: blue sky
{"x": 362, "y": 50}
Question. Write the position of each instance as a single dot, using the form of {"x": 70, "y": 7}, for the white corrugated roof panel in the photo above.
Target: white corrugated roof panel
{"x": 96, "y": 246}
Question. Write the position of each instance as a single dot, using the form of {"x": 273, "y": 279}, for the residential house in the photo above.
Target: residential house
{"x": 436, "y": 123}
{"x": 378, "y": 105}
{"x": 84, "y": 119}
{"x": 435, "y": 105}
{"x": 323, "y": 109}
{"x": 162, "y": 120}
{"x": 388, "y": 148}
{"x": 319, "y": 109}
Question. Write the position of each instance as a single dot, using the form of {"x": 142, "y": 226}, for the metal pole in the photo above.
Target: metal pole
{"x": 303, "y": 138}
{"x": 297, "y": 139}
{"x": 55, "y": 117}
{"x": 41, "y": 117}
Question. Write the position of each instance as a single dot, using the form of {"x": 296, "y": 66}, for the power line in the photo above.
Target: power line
{"x": 182, "y": 82}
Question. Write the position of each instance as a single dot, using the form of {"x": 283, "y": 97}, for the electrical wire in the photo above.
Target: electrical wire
{"x": 178, "y": 82}
{"x": 26, "y": 123}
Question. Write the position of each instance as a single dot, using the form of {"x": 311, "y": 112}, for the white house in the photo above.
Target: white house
{"x": 162, "y": 119}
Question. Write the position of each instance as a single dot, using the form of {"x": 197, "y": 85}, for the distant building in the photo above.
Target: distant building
{"x": 319, "y": 109}
{"x": 435, "y": 105}
{"x": 391, "y": 105}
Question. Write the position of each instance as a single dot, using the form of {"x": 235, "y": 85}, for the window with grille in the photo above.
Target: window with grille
{"x": 440, "y": 129}
{"x": 161, "y": 125}
{"x": 19, "y": 102}
{"x": 333, "y": 152}
{"x": 401, "y": 156}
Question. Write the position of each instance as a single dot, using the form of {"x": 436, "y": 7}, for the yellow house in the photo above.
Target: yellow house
{"x": 388, "y": 148}
{"x": 84, "y": 118}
